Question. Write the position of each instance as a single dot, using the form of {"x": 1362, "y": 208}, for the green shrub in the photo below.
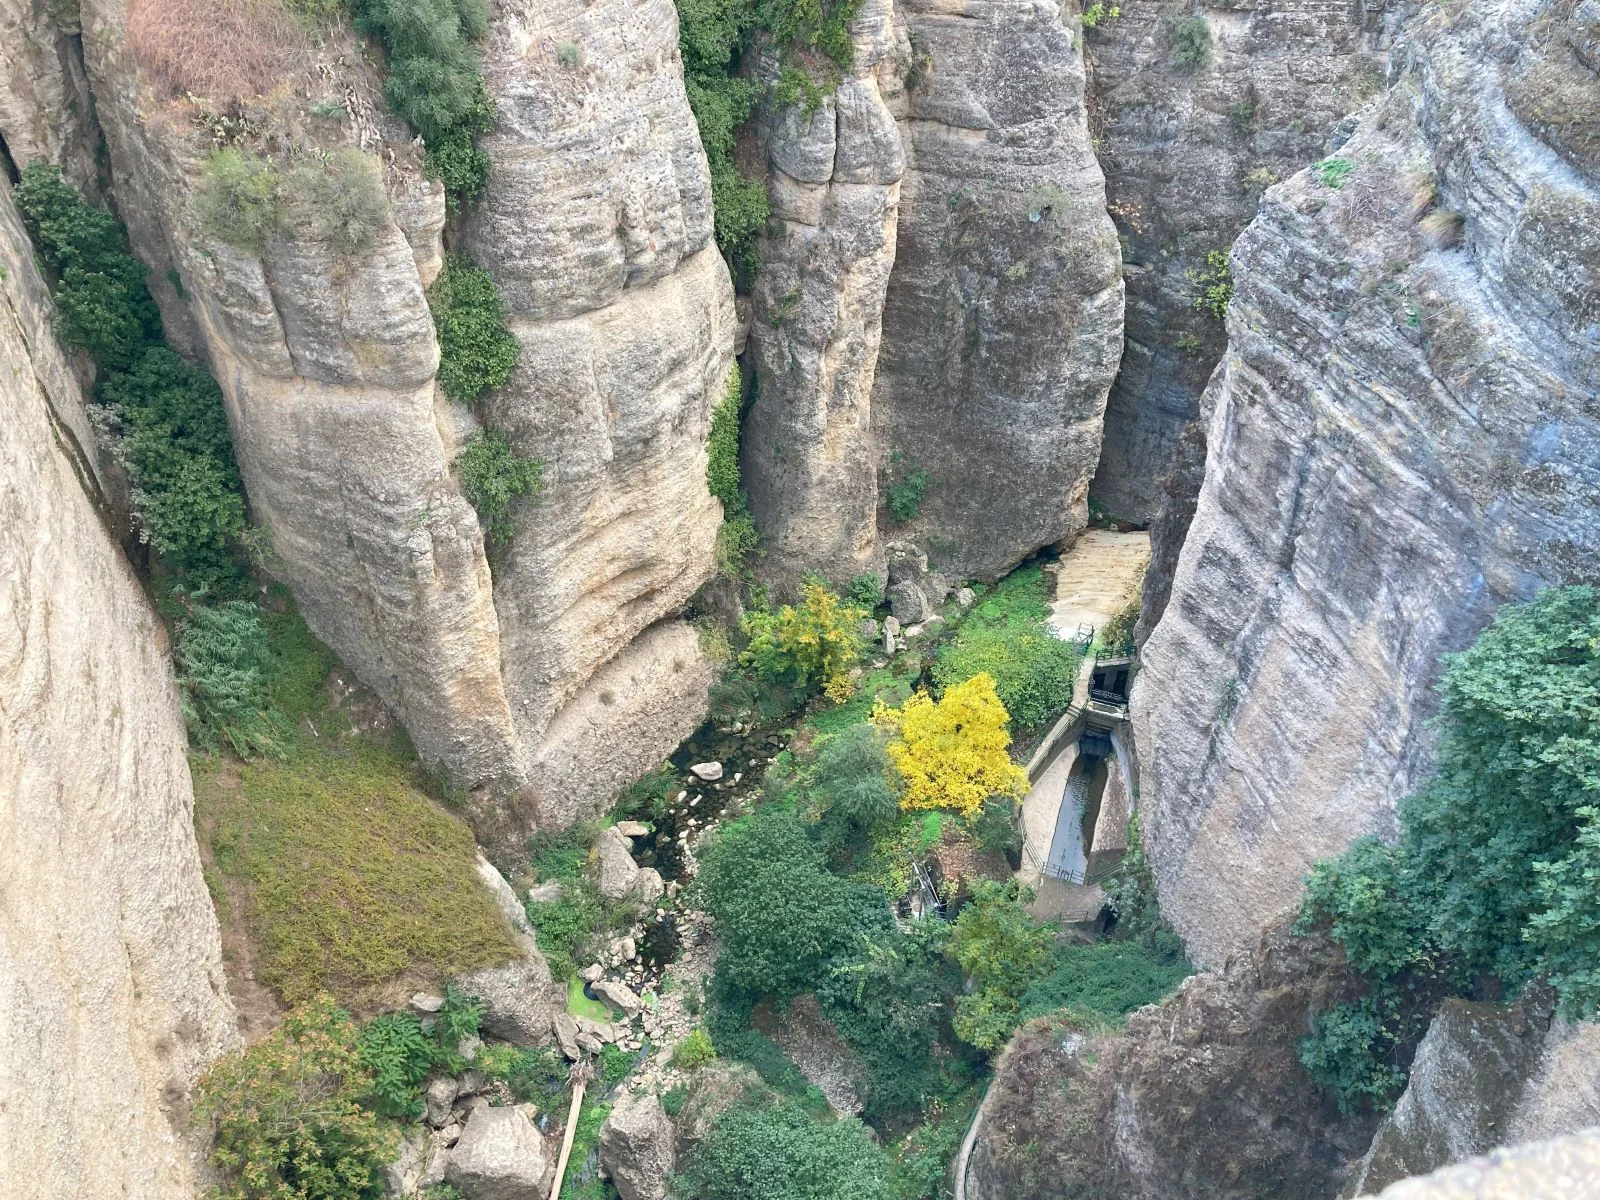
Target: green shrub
{"x": 399, "y": 1055}
{"x": 565, "y": 926}
{"x": 1191, "y": 41}
{"x": 737, "y": 538}
{"x": 1214, "y": 282}
{"x": 1001, "y": 948}
{"x": 778, "y": 1151}
{"x": 1131, "y": 892}
{"x": 694, "y": 1052}
{"x": 1098, "y": 13}
{"x": 286, "y": 1116}
{"x": 1117, "y": 634}
{"x": 781, "y": 914}
{"x": 1108, "y": 979}
{"x": 996, "y": 826}
{"x": 856, "y": 784}
{"x": 223, "y": 661}
{"x": 1333, "y": 172}
{"x": 493, "y": 475}
{"x": 238, "y": 201}
{"x": 477, "y": 352}
{"x": 456, "y": 162}
{"x": 904, "y": 484}
{"x": 1498, "y": 849}
{"x": 536, "y": 1076}
{"x": 341, "y": 197}
{"x": 1005, "y": 637}
{"x": 865, "y": 591}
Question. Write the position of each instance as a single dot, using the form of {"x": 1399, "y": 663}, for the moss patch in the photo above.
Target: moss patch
{"x": 351, "y": 876}
{"x": 580, "y": 1005}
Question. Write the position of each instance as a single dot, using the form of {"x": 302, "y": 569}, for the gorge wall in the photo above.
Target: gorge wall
{"x": 110, "y": 959}
{"x": 1402, "y": 436}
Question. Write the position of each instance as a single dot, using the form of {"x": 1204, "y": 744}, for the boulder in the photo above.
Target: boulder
{"x": 618, "y": 996}
{"x": 966, "y": 597}
{"x": 519, "y": 1001}
{"x": 647, "y": 885}
{"x": 637, "y": 1147}
{"x": 545, "y": 893}
{"x": 633, "y": 829}
{"x": 424, "y": 1003}
{"x": 867, "y": 629}
{"x": 566, "y": 1031}
{"x": 908, "y": 604}
{"x": 708, "y": 772}
{"x": 593, "y": 973}
{"x": 615, "y": 867}
{"x": 439, "y": 1097}
{"x": 403, "y": 1175}
{"x": 500, "y": 1157}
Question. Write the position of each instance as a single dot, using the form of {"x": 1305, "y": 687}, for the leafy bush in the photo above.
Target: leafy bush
{"x": 694, "y": 1052}
{"x": 1117, "y": 633}
{"x": 1191, "y": 41}
{"x": 1006, "y": 638}
{"x": 1492, "y": 871}
{"x": 286, "y": 1116}
{"x": 1215, "y": 284}
{"x": 223, "y": 661}
{"x": 1109, "y": 978}
{"x": 1098, "y": 13}
{"x": 536, "y": 1076}
{"x": 341, "y": 197}
{"x": 995, "y": 826}
{"x": 855, "y": 781}
{"x": 399, "y": 1055}
{"x": 865, "y": 590}
{"x": 777, "y": 1151}
{"x": 904, "y": 484}
{"x": 952, "y": 752}
{"x": 815, "y": 643}
{"x": 477, "y": 352}
{"x": 237, "y": 201}
{"x": 1001, "y": 948}
{"x": 1333, "y": 172}
{"x": 492, "y": 475}
{"x": 565, "y": 926}
{"x": 781, "y": 915}
{"x": 738, "y": 537}
{"x": 1131, "y": 892}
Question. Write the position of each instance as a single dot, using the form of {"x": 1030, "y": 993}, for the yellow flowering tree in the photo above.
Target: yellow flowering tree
{"x": 815, "y": 643}
{"x": 952, "y": 752}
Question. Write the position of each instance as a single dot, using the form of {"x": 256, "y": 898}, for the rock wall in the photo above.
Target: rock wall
{"x": 833, "y": 180}
{"x": 1187, "y": 151}
{"x": 1198, "y": 1098}
{"x": 548, "y": 677}
{"x": 110, "y": 960}
{"x": 1002, "y": 323}
{"x": 1559, "y": 1169}
{"x": 1403, "y": 436}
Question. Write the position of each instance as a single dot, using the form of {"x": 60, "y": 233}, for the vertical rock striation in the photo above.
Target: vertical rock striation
{"x": 833, "y": 178}
{"x": 1187, "y": 150}
{"x": 1405, "y": 434}
{"x": 110, "y": 961}
{"x": 597, "y": 228}
{"x": 1002, "y": 324}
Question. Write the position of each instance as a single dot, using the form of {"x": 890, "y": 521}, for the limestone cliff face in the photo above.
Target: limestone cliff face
{"x": 1198, "y": 1098}
{"x": 1002, "y": 323}
{"x": 549, "y": 679}
{"x": 1187, "y": 151}
{"x": 110, "y": 960}
{"x": 1404, "y": 435}
{"x": 833, "y": 177}
{"x": 44, "y": 94}
{"x": 597, "y": 227}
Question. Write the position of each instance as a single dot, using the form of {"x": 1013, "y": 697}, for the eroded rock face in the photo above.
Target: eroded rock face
{"x": 1198, "y": 1098}
{"x": 1002, "y": 323}
{"x": 1187, "y": 151}
{"x": 44, "y": 95}
{"x": 1559, "y": 1169}
{"x": 833, "y": 179}
{"x": 638, "y": 1147}
{"x": 1404, "y": 436}
{"x": 561, "y": 673}
{"x": 111, "y": 969}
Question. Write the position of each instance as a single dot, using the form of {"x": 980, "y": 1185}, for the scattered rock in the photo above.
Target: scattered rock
{"x": 403, "y": 1175}
{"x": 867, "y": 629}
{"x": 707, "y": 772}
{"x": 633, "y": 829}
{"x": 593, "y": 973}
{"x": 566, "y": 1031}
{"x": 500, "y": 1157}
{"x": 966, "y": 597}
{"x": 589, "y": 1044}
{"x": 545, "y": 893}
{"x": 618, "y": 996}
{"x": 907, "y": 603}
{"x": 468, "y": 1047}
{"x": 424, "y": 1003}
{"x": 647, "y": 885}
{"x": 616, "y": 867}
{"x": 470, "y": 1083}
{"x": 440, "y": 1099}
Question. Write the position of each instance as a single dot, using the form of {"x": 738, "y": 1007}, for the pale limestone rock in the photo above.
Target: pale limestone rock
{"x": 615, "y": 869}
{"x": 1187, "y": 153}
{"x": 1002, "y": 323}
{"x": 1565, "y": 1168}
{"x": 834, "y": 184}
{"x": 1402, "y": 438}
{"x": 500, "y": 1157}
{"x": 45, "y": 113}
{"x": 111, "y": 975}
{"x": 566, "y": 1031}
{"x": 647, "y": 886}
{"x": 439, "y": 1097}
{"x": 618, "y": 996}
{"x": 638, "y": 1147}
{"x": 707, "y": 772}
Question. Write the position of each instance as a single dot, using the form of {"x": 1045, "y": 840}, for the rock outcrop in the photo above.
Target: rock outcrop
{"x": 550, "y": 678}
{"x": 1002, "y": 323}
{"x": 1198, "y": 1098}
{"x": 1565, "y": 1168}
{"x": 638, "y": 1147}
{"x": 1187, "y": 150}
{"x": 833, "y": 177}
{"x": 110, "y": 960}
{"x": 1403, "y": 436}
